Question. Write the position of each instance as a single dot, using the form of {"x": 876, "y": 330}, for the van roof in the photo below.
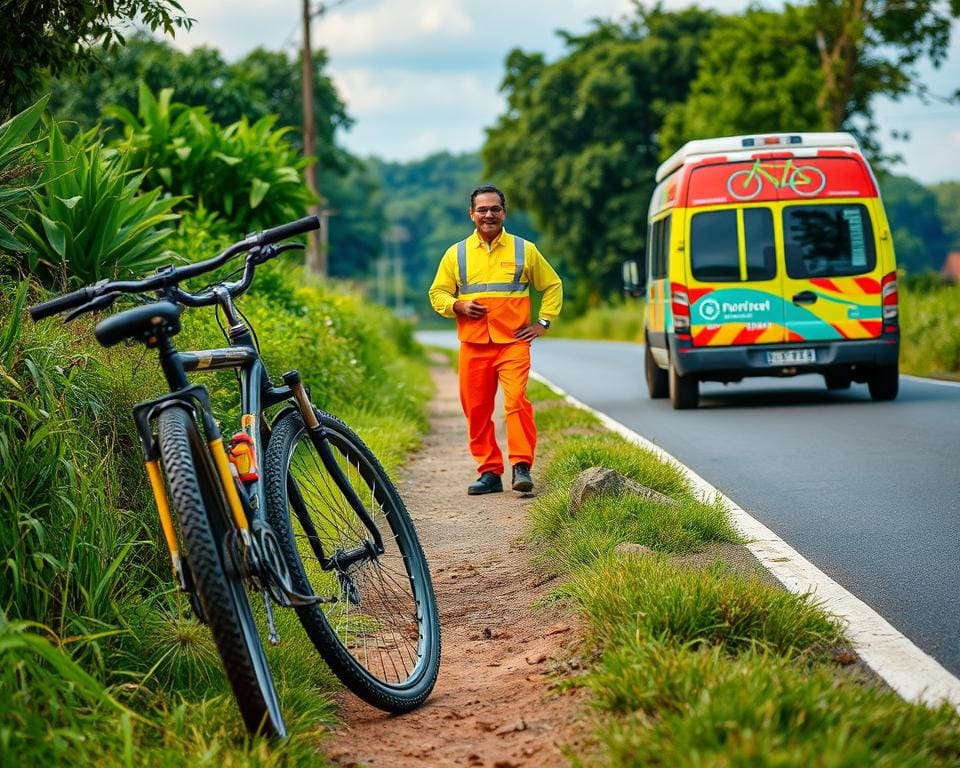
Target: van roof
{"x": 742, "y": 147}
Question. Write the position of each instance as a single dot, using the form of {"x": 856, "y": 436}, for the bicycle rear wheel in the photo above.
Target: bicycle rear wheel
{"x": 198, "y": 500}
{"x": 382, "y": 635}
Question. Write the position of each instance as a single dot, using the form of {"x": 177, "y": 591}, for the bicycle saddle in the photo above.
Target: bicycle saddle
{"x": 140, "y": 323}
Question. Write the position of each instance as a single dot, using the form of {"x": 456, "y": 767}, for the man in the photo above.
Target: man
{"x": 484, "y": 281}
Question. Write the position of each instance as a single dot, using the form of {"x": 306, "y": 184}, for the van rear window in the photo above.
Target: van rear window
{"x": 828, "y": 240}
{"x": 715, "y": 246}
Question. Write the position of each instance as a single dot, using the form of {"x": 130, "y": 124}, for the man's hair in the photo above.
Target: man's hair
{"x": 487, "y": 188}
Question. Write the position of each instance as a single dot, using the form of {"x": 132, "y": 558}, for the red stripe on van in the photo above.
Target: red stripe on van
{"x": 794, "y": 336}
{"x": 839, "y": 330}
{"x": 705, "y": 336}
{"x": 827, "y": 285}
{"x": 749, "y": 336}
{"x": 872, "y": 327}
{"x": 867, "y": 284}
{"x": 695, "y": 294}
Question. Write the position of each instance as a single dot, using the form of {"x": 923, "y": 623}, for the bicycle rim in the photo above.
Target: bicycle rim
{"x": 381, "y": 636}
{"x": 204, "y": 523}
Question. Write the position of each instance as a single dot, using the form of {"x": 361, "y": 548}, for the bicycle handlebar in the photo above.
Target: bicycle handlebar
{"x": 170, "y": 277}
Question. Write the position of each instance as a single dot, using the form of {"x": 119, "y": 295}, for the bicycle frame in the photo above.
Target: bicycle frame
{"x": 246, "y": 500}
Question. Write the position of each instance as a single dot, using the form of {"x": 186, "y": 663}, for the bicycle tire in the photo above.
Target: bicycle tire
{"x": 812, "y": 170}
{"x": 385, "y": 647}
{"x": 197, "y": 497}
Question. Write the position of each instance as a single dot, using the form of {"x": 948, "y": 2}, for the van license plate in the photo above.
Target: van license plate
{"x": 791, "y": 356}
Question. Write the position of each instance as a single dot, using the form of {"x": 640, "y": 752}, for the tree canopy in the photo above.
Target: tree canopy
{"x": 56, "y": 37}
{"x": 578, "y": 145}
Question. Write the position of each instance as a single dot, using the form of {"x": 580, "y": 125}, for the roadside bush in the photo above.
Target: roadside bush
{"x": 18, "y": 142}
{"x": 930, "y": 327}
{"x": 91, "y": 220}
{"x": 248, "y": 174}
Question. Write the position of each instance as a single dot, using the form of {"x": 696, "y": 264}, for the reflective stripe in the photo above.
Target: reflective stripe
{"x": 515, "y": 287}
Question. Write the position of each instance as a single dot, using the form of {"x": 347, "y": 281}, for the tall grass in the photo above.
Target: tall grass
{"x": 102, "y": 663}
{"x": 620, "y": 320}
{"x": 930, "y": 320}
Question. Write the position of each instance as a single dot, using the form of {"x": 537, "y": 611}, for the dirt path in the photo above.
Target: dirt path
{"x": 494, "y": 704}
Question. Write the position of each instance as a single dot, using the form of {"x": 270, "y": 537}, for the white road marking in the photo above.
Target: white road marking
{"x": 906, "y": 668}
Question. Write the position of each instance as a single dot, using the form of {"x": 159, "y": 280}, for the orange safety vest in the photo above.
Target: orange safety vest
{"x": 505, "y": 313}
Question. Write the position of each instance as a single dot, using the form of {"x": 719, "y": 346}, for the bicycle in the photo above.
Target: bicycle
{"x": 296, "y": 511}
{"x": 805, "y": 180}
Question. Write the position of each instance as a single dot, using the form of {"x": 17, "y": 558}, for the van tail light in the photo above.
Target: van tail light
{"x": 680, "y": 305}
{"x": 891, "y": 300}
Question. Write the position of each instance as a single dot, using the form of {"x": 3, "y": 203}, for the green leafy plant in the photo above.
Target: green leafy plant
{"x": 91, "y": 219}
{"x": 248, "y": 173}
{"x": 17, "y": 143}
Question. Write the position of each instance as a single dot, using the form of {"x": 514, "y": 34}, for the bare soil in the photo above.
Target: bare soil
{"x": 496, "y": 703}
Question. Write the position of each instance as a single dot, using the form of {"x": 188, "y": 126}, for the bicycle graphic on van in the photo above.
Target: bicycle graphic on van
{"x": 805, "y": 180}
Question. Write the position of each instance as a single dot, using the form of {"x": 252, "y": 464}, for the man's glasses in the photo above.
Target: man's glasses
{"x": 496, "y": 210}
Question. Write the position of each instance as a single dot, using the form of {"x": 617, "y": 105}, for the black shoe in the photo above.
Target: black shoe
{"x": 488, "y": 482}
{"x": 521, "y": 478}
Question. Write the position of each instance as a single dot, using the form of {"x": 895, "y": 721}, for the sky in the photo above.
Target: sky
{"x": 423, "y": 76}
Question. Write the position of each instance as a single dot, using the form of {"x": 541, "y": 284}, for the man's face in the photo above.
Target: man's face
{"x": 488, "y": 214}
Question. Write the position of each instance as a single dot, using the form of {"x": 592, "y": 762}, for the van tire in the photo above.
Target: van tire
{"x": 658, "y": 381}
{"x": 884, "y": 382}
{"x": 684, "y": 390}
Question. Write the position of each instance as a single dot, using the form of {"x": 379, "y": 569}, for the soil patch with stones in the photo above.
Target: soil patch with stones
{"x": 495, "y": 703}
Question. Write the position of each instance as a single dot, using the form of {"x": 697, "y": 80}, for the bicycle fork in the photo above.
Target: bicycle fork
{"x": 341, "y": 560}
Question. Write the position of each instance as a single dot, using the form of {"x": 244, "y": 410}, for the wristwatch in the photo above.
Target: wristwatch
{"x": 544, "y": 323}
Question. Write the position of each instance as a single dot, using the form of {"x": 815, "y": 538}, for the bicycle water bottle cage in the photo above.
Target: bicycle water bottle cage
{"x": 145, "y": 323}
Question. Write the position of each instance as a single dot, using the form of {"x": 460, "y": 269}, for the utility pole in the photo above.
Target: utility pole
{"x": 316, "y": 255}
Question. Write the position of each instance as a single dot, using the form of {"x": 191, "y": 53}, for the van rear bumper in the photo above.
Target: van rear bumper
{"x": 731, "y": 363}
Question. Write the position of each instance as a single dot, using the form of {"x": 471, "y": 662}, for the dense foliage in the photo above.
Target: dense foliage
{"x": 41, "y": 37}
{"x": 577, "y": 147}
{"x": 918, "y": 232}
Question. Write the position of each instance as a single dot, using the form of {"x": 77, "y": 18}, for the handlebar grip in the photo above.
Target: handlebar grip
{"x": 284, "y": 231}
{"x": 61, "y": 303}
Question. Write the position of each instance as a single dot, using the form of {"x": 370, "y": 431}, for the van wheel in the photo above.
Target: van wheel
{"x": 837, "y": 379}
{"x": 884, "y": 382}
{"x": 684, "y": 390}
{"x": 658, "y": 383}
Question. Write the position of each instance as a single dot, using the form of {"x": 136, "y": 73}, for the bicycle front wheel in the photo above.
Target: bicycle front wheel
{"x": 381, "y": 635}
{"x": 201, "y": 508}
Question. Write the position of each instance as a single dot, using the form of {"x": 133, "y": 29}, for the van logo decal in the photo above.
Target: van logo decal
{"x": 710, "y": 309}
{"x": 806, "y": 180}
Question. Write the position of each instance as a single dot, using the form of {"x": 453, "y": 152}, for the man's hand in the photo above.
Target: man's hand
{"x": 472, "y": 309}
{"x": 530, "y": 332}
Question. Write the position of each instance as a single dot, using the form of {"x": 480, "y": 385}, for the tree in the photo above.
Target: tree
{"x": 578, "y": 146}
{"x": 918, "y": 235}
{"x": 948, "y": 206}
{"x": 67, "y": 36}
{"x": 869, "y": 47}
{"x": 757, "y": 74}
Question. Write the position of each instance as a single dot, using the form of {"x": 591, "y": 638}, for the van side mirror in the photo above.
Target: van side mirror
{"x": 633, "y": 283}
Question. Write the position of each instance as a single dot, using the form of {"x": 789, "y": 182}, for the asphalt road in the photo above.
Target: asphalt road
{"x": 869, "y": 492}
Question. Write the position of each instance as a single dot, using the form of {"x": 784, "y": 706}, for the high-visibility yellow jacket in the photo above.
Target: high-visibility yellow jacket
{"x": 499, "y": 276}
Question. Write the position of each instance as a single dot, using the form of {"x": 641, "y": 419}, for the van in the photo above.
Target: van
{"x": 768, "y": 255}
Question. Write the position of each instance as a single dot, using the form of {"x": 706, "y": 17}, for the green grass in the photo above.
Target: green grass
{"x": 100, "y": 661}
{"x": 696, "y": 667}
{"x": 930, "y": 325}
{"x": 622, "y": 320}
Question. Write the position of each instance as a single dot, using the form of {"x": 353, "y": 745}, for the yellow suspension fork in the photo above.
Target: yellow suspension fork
{"x": 166, "y": 520}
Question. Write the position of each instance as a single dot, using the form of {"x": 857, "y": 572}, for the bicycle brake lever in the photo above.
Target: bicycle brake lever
{"x": 101, "y": 302}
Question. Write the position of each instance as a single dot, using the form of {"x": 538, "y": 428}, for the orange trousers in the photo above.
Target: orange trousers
{"x": 482, "y": 368}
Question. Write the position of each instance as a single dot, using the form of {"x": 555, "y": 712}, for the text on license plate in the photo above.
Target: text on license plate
{"x": 791, "y": 356}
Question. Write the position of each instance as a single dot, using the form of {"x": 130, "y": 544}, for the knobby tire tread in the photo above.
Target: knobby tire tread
{"x": 211, "y": 582}
{"x": 351, "y": 673}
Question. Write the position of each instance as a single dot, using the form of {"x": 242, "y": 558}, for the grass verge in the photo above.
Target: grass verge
{"x": 695, "y": 657}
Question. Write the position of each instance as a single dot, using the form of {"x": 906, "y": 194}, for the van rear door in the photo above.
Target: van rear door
{"x": 832, "y": 280}
{"x": 732, "y": 283}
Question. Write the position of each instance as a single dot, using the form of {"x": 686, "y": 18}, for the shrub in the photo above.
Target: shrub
{"x": 91, "y": 220}
{"x": 16, "y": 147}
{"x": 249, "y": 174}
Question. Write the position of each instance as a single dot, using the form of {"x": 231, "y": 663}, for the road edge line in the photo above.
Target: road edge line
{"x": 910, "y": 671}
